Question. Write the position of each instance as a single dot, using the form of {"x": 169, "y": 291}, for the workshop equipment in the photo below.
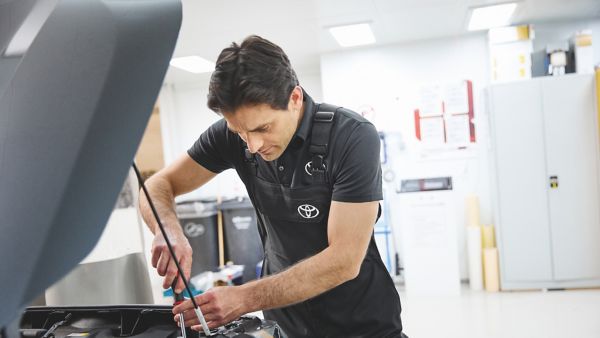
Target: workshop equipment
{"x": 428, "y": 236}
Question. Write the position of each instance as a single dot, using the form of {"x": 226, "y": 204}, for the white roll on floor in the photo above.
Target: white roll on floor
{"x": 474, "y": 253}
{"x": 472, "y": 210}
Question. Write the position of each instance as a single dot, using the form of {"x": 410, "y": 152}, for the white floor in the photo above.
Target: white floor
{"x": 523, "y": 314}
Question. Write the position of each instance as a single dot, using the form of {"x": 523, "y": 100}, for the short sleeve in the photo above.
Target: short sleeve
{"x": 213, "y": 149}
{"x": 357, "y": 175}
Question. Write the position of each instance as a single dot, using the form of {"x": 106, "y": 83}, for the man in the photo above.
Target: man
{"x": 313, "y": 174}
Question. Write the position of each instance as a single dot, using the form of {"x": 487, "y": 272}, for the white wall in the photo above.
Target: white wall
{"x": 184, "y": 116}
{"x": 388, "y": 78}
{"x": 310, "y": 80}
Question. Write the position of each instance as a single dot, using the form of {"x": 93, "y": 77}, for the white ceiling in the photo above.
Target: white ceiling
{"x": 300, "y": 26}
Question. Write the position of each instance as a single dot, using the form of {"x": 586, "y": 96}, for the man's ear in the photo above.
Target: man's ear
{"x": 296, "y": 98}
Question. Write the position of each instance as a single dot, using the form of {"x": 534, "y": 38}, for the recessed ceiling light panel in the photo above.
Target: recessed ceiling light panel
{"x": 193, "y": 64}
{"x": 353, "y": 35}
{"x": 491, "y": 16}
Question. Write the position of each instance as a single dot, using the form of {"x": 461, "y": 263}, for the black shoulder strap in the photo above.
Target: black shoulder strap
{"x": 319, "y": 140}
{"x": 321, "y": 130}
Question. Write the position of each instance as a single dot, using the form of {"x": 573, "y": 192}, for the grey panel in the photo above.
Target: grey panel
{"x": 122, "y": 280}
{"x": 70, "y": 122}
{"x": 12, "y": 15}
{"x": 8, "y": 67}
{"x": 572, "y": 155}
{"x": 520, "y": 168}
{"x": 31, "y": 26}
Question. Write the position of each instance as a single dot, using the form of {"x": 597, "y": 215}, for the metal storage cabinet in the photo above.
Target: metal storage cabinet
{"x": 544, "y": 128}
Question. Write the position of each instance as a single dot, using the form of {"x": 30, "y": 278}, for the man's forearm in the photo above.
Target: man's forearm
{"x": 163, "y": 201}
{"x": 302, "y": 281}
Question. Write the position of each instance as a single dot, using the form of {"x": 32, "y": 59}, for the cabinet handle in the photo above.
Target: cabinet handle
{"x": 553, "y": 182}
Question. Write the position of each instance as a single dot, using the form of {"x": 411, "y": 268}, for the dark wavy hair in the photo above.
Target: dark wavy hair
{"x": 255, "y": 72}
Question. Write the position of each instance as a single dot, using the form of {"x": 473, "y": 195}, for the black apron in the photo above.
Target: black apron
{"x": 292, "y": 223}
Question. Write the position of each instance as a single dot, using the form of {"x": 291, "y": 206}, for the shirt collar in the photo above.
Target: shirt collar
{"x": 304, "y": 128}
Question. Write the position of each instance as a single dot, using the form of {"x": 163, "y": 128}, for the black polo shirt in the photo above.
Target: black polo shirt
{"x": 353, "y": 166}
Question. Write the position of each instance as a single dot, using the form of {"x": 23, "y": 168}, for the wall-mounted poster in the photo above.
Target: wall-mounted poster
{"x": 452, "y": 124}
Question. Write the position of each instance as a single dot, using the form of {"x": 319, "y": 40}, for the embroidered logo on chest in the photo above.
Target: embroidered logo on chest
{"x": 308, "y": 168}
{"x": 308, "y": 211}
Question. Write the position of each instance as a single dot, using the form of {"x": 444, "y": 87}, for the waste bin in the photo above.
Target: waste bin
{"x": 242, "y": 241}
{"x": 199, "y": 222}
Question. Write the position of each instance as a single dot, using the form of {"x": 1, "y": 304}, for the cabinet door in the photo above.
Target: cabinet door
{"x": 572, "y": 156}
{"x": 516, "y": 116}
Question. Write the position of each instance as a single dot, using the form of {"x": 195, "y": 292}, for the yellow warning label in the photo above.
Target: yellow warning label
{"x": 554, "y": 182}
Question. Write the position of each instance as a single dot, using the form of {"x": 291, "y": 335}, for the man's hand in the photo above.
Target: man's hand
{"x": 163, "y": 262}
{"x": 219, "y": 305}
{"x": 182, "y": 176}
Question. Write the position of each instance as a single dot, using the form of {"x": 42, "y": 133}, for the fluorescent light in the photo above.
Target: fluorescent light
{"x": 491, "y": 16}
{"x": 193, "y": 64}
{"x": 353, "y": 35}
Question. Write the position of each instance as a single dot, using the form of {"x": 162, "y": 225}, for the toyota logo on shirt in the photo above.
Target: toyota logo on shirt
{"x": 308, "y": 211}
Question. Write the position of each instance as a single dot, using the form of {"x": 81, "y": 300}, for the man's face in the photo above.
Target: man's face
{"x": 265, "y": 130}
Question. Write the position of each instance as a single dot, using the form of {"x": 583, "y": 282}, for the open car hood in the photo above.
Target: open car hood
{"x": 74, "y": 103}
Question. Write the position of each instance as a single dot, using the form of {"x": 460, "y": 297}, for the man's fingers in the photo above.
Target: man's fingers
{"x": 180, "y": 285}
{"x": 170, "y": 275}
{"x": 186, "y": 265}
{"x": 211, "y": 325}
{"x": 190, "y": 314}
{"x": 199, "y": 328}
{"x": 163, "y": 263}
{"x": 183, "y": 307}
{"x": 212, "y": 317}
{"x": 201, "y": 300}
{"x": 192, "y": 320}
{"x": 155, "y": 256}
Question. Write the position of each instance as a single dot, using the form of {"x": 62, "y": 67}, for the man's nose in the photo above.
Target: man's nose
{"x": 254, "y": 142}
